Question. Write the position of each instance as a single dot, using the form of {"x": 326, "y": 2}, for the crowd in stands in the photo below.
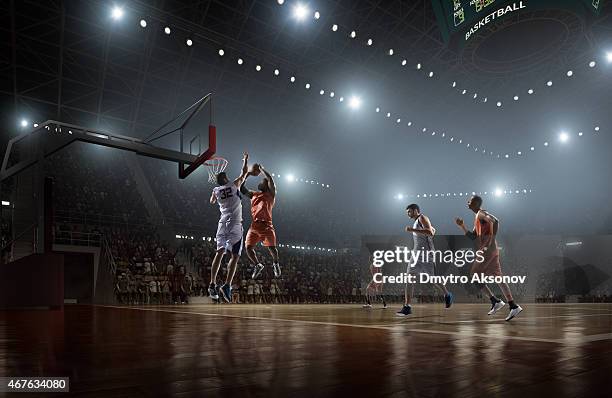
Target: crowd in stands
{"x": 149, "y": 272}
{"x": 186, "y": 202}
{"x": 91, "y": 180}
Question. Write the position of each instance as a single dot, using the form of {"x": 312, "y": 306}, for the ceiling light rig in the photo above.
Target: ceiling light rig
{"x": 353, "y": 34}
{"x": 496, "y": 193}
{"x": 354, "y": 102}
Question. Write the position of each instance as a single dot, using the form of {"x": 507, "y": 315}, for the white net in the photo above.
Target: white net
{"x": 215, "y": 166}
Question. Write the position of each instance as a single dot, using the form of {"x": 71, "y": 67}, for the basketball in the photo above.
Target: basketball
{"x": 255, "y": 169}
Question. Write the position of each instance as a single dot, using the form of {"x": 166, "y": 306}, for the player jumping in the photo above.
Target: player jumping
{"x": 422, "y": 233}
{"x": 486, "y": 226}
{"x": 229, "y": 230}
{"x": 262, "y": 229}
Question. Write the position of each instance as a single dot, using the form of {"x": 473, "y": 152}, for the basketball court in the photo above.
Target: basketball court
{"x": 562, "y": 350}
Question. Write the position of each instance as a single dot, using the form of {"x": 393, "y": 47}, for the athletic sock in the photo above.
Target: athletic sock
{"x": 512, "y": 304}
{"x": 494, "y": 300}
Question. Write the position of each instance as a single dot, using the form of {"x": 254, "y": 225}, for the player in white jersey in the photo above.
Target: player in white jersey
{"x": 422, "y": 233}
{"x": 229, "y": 231}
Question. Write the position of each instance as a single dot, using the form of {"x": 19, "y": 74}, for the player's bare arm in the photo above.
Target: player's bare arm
{"x": 495, "y": 222}
{"x": 427, "y": 229}
{"x": 245, "y": 170}
{"x": 271, "y": 183}
{"x": 468, "y": 233}
{"x": 244, "y": 190}
{"x": 213, "y": 198}
{"x": 489, "y": 240}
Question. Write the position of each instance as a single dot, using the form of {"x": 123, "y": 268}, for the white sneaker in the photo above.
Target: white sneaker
{"x": 496, "y": 307}
{"x": 277, "y": 270}
{"x": 514, "y": 312}
{"x": 367, "y": 306}
{"x": 257, "y": 270}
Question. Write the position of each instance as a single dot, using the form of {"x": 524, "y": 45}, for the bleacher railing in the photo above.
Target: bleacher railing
{"x": 90, "y": 239}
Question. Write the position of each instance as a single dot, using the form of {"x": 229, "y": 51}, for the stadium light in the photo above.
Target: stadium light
{"x": 290, "y": 177}
{"x": 609, "y": 56}
{"x": 300, "y": 11}
{"x": 6, "y": 203}
{"x": 117, "y": 13}
{"x": 167, "y": 30}
{"x": 24, "y": 123}
{"x": 143, "y": 23}
{"x": 498, "y": 192}
{"x": 399, "y": 196}
{"x": 355, "y": 102}
{"x": 563, "y": 137}
{"x": 221, "y": 52}
{"x": 189, "y": 42}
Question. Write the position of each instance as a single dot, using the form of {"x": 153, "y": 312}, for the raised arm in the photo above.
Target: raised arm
{"x": 244, "y": 190}
{"x": 245, "y": 170}
{"x": 213, "y": 198}
{"x": 271, "y": 183}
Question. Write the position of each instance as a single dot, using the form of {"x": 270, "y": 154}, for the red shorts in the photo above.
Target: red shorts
{"x": 489, "y": 267}
{"x": 261, "y": 232}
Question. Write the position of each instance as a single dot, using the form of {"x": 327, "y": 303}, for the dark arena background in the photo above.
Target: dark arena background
{"x": 125, "y": 210}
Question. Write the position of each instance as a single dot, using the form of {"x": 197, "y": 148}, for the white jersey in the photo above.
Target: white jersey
{"x": 230, "y": 203}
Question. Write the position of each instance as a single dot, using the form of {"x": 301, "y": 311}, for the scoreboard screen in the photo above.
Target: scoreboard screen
{"x": 467, "y": 16}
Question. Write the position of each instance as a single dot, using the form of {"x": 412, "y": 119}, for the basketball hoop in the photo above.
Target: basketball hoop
{"x": 215, "y": 165}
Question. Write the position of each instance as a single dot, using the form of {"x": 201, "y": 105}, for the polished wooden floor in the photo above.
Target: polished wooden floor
{"x": 550, "y": 350}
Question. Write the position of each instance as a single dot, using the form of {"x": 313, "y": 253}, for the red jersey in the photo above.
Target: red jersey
{"x": 484, "y": 231}
{"x": 261, "y": 206}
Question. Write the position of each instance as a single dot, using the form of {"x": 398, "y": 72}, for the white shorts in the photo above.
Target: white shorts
{"x": 229, "y": 237}
{"x": 423, "y": 268}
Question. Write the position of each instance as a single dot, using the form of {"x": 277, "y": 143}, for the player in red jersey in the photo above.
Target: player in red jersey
{"x": 262, "y": 229}
{"x": 485, "y": 229}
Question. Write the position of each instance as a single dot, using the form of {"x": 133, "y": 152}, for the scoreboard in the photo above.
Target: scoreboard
{"x": 467, "y": 16}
